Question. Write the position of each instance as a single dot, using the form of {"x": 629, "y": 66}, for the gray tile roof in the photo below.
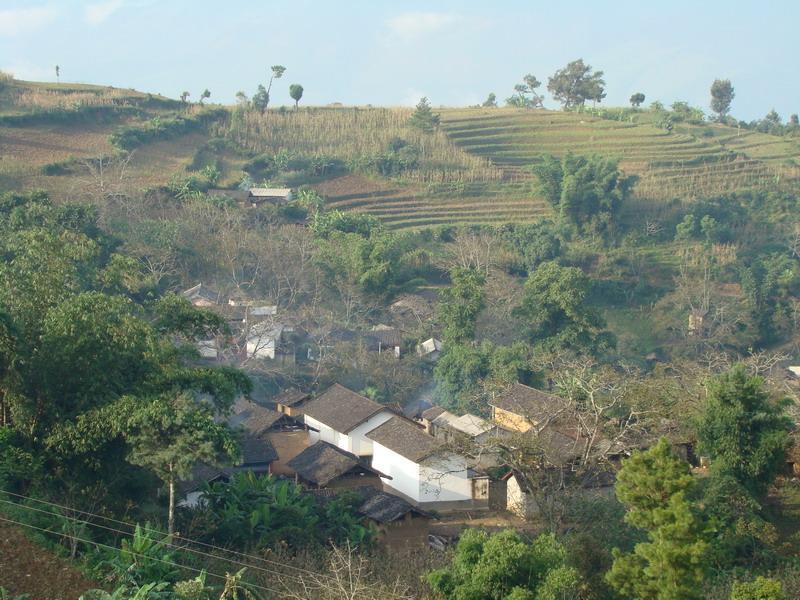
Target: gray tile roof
{"x": 405, "y": 438}
{"x": 341, "y": 409}
{"x": 383, "y": 507}
{"x": 291, "y": 397}
{"x": 323, "y": 462}
{"x": 526, "y": 401}
{"x": 253, "y": 417}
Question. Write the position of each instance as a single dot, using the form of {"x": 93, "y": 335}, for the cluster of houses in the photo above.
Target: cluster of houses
{"x": 259, "y": 333}
{"x": 405, "y": 467}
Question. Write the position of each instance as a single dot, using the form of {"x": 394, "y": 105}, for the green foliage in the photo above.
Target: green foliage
{"x": 671, "y": 565}
{"x": 744, "y": 434}
{"x": 460, "y": 304}
{"x": 491, "y": 101}
{"x": 325, "y": 223}
{"x": 762, "y": 588}
{"x": 296, "y": 93}
{"x": 260, "y": 99}
{"x": 176, "y": 315}
{"x": 534, "y": 244}
{"x": 505, "y": 566}
{"x": 465, "y": 371}
{"x": 722, "y": 95}
{"x": 423, "y": 117}
{"x": 557, "y": 312}
{"x": 132, "y": 136}
{"x": 637, "y": 99}
{"x": 529, "y": 86}
{"x": 586, "y": 192}
{"x": 253, "y": 513}
{"x": 576, "y": 83}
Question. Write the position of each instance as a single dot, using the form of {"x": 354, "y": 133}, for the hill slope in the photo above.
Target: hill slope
{"x": 474, "y": 170}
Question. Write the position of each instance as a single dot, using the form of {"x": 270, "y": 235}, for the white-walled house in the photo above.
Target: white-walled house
{"x": 263, "y": 339}
{"x": 420, "y": 468}
{"x": 343, "y": 418}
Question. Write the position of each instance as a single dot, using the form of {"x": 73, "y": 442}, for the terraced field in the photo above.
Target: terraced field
{"x": 692, "y": 161}
{"x": 411, "y": 207}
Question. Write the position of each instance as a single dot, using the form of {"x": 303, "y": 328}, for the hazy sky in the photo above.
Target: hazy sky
{"x": 393, "y": 52}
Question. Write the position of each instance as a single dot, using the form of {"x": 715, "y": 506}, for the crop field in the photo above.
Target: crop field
{"x": 689, "y": 162}
{"x": 473, "y": 170}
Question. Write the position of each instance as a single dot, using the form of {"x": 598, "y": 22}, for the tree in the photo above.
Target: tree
{"x": 423, "y": 117}
{"x": 296, "y": 92}
{"x": 460, "y": 304}
{"x": 576, "y": 83}
{"x": 557, "y": 312}
{"x": 505, "y": 566}
{"x": 744, "y": 434}
{"x": 529, "y": 86}
{"x": 261, "y": 99}
{"x": 242, "y": 100}
{"x": 654, "y": 485}
{"x": 490, "y": 102}
{"x": 185, "y": 96}
{"x": 637, "y": 99}
{"x": 171, "y": 436}
{"x": 762, "y": 588}
{"x": 204, "y": 95}
{"x": 277, "y": 72}
{"x": 58, "y": 73}
{"x": 722, "y": 95}
{"x": 587, "y": 192}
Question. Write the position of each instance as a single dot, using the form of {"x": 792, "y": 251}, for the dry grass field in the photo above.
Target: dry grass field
{"x": 473, "y": 170}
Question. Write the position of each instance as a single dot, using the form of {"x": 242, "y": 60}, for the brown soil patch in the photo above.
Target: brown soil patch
{"x": 287, "y": 444}
{"x": 348, "y": 185}
{"x": 26, "y": 568}
{"x": 38, "y": 146}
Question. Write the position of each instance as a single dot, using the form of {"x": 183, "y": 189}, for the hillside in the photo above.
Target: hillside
{"x": 473, "y": 170}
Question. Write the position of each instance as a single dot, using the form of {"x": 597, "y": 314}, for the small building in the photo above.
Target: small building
{"x": 521, "y": 498}
{"x": 422, "y": 470}
{"x": 290, "y": 402}
{"x": 398, "y": 522}
{"x": 202, "y": 295}
{"x": 258, "y": 196}
{"x": 264, "y": 339}
{"x": 384, "y": 340}
{"x": 259, "y": 420}
{"x": 324, "y": 465}
{"x": 521, "y": 407}
{"x": 430, "y": 349}
{"x": 342, "y": 417}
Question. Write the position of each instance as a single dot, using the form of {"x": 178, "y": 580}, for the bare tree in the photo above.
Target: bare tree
{"x": 349, "y": 576}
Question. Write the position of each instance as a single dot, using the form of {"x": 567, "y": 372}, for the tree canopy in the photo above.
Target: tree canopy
{"x": 576, "y": 83}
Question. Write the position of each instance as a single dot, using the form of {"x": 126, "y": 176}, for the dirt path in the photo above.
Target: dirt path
{"x": 26, "y": 568}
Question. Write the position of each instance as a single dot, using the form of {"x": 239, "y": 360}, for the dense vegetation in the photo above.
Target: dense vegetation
{"x": 640, "y": 263}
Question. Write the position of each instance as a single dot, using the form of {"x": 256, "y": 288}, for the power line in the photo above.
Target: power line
{"x": 166, "y": 543}
{"x": 161, "y": 560}
{"x": 150, "y": 530}
{"x": 317, "y": 575}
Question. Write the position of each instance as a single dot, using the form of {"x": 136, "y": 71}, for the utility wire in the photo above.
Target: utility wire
{"x": 161, "y": 560}
{"x": 317, "y": 575}
{"x": 164, "y": 542}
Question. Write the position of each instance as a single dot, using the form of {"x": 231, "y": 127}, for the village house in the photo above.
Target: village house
{"x": 521, "y": 407}
{"x": 421, "y": 469}
{"x": 397, "y": 522}
{"x": 202, "y": 295}
{"x": 264, "y": 339}
{"x": 290, "y": 402}
{"x": 258, "y": 196}
{"x": 521, "y": 500}
{"x": 430, "y": 349}
{"x": 342, "y": 417}
{"x": 324, "y": 465}
{"x": 384, "y": 340}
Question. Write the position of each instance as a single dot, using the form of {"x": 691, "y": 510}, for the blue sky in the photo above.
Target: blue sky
{"x": 391, "y": 53}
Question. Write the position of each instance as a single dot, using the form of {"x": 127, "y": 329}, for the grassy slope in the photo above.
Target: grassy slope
{"x": 476, "y": 172}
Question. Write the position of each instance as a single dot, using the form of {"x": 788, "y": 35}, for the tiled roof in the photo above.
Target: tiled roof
{"x": 253, "y": 417}
{"x": 323, "y": 462}
{"x": 342, "y": 409}
{"x": 405, "y": 438}
{"x": 270, "y": 192}
{"x": 526, "y": 401}
{"x": 291, "y": 397}
{"x": 383, "y": 507}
